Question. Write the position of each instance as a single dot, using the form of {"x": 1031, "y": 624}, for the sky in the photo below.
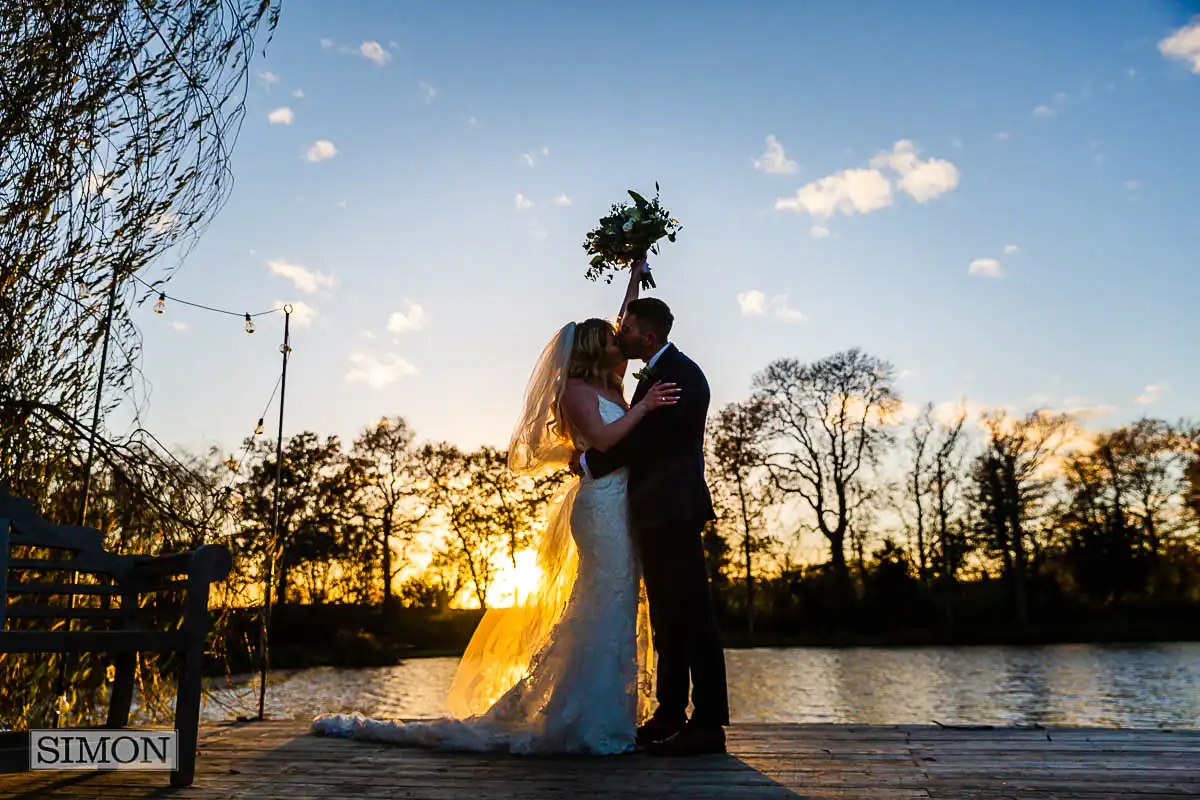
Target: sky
{"x": 1000, "y": 199}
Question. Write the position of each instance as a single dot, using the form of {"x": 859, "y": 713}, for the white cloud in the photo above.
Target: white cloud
{"x": 849, "y": 191}
{"x": 1045, "y": 111}
{"x": 178, "y": 325}
{"x": 986, "y": 268}
{"x": 752, "y": 302}
{"x": 920, "y": 180}
{"x": 410, "y": 320}
{"x": 1002, "y": 137}
{"x": 1184, "y": 45}
{"x": 281, "y": 116}
{"x": 523, "y": 202}
{"x": 956, "y": 143}
{"x": 774, "y": 161}
{"x": 373, "y": 51}
{"x": 378, "y": 371}
{"x": 528, "y": 159}
{"x": 1011, "y": 249}
{"x": 321, "y": 150}
{"x": 427, "y": 92}
{"x": 305, "y": 279}
{"x": 326, "y": 44}
{"x": 164, "y": 223}
{"x": 99, "y": 185}
{"x": 269, "y": 79}
{"x": 302, "y": 313}
{"x": 562, "y": 200}
{"x": 298, "y": 94}
{"x": 1086, "y": 413}
{"x": 861, "y": 191}
{"x": 819, "y": 232}
{"x": 1152, "y": 394}
{"x": 546, "y": 151}
{"x": 368, "y": 335}
{"x": 906, "y": 374}
{"x": 755, "y": 303}
{"x": 472, "y": 121}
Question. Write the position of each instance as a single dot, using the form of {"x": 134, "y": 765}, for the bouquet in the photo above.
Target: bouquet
{"x": 627, "y": 234}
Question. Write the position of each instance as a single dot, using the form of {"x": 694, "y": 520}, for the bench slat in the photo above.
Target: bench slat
{"x": 92, "y": 641}
{"x": 53, "y": 612}
{"x": 50, "y": 565}
{"x": 61, "y": 588}
{"x": 62, "y": 612}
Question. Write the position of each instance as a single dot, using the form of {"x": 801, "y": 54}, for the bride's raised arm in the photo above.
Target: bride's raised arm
{"x": 631, "y": 294}
{"x": 635, "y": 285}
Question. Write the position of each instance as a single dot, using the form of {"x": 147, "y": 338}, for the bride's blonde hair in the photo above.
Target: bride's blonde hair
{"x": 589, "y": 353}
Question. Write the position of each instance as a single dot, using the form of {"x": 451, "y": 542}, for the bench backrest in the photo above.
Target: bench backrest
{"x": 59, "y": 577}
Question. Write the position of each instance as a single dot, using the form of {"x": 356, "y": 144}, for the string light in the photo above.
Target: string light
{"x": 160, "y": 306}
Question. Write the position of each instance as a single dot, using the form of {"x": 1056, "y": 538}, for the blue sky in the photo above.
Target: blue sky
{"x": 421, "y": 174}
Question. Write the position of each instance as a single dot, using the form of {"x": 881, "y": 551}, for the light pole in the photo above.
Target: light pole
{"x": 264, "y": 639}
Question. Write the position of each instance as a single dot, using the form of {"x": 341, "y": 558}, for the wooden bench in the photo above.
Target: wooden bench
{"x": 126, "y": 604}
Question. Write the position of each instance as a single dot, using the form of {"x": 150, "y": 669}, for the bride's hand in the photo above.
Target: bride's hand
{"x": 661, "y": 394}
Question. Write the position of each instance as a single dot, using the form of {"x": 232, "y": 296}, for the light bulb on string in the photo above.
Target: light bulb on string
{"x": 249, "y": 324}
{"x": 258, "y": 429}
{"x": 160, "y": 305}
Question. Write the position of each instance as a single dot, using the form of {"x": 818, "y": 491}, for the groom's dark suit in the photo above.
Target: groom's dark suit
{"x": 669, "y": 505}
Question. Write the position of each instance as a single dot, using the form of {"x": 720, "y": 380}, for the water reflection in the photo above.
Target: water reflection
{"x": 1125, "y": 686}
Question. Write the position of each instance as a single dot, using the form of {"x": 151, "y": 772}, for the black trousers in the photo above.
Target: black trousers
{"x": 683, "y": 622}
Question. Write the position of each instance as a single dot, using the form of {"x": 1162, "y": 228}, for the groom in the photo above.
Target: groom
{"x": 669, "y": 505}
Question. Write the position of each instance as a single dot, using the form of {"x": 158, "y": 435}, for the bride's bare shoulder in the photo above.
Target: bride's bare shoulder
{"x": 579, "y": 395}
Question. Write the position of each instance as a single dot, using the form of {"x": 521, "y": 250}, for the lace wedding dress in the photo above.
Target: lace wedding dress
{"x": 573, "y": 663}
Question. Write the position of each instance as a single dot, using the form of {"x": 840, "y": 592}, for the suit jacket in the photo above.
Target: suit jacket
{"x": 665, "y": 452}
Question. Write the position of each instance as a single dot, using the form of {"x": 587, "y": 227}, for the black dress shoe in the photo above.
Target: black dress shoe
{"x": 692, "y": 740}
{"x": 656, "y": 730}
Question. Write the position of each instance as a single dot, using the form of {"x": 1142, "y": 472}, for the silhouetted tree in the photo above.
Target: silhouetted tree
{"x": 738, "y": 475}
{"x": 390, "y": 500}
{"x": 829, "y": 423}
{"x": 1012, "y": 485}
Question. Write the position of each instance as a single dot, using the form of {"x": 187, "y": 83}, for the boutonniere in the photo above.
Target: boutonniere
{"x": 645, "y": 373}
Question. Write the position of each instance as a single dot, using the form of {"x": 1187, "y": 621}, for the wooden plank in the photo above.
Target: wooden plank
{"x": 275, "y": 760}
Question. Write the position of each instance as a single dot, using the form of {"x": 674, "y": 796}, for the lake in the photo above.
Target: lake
{"x": 1143, "y": 686}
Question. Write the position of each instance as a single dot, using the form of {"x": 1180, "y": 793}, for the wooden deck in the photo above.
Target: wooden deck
{"x": 278, "y": 760}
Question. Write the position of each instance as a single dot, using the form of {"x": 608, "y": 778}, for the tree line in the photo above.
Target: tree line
{"x": 927, "y": 518}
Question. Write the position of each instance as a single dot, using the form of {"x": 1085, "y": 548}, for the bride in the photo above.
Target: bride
{"x": 569, "y": 669}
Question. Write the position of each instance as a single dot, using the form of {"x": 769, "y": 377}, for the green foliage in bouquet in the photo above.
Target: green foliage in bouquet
{"x": 628, "y": 234}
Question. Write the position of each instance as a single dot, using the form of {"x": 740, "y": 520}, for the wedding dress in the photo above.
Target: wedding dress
{"x": 568, "y": 670}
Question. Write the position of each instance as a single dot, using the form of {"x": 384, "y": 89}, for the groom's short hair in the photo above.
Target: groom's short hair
{"x": 653, "y": 315}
